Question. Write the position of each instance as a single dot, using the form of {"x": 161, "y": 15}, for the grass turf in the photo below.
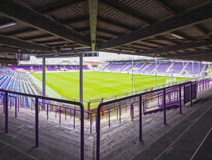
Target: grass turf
{"x": 99, "y": 84}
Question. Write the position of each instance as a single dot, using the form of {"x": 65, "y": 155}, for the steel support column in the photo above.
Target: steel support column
{"x": 44, "y": 78}
{"x": 44, "y": 81}
{"x": 164, "y": 105}
{"x": 6, "y": 113}
{"x": 81, "y": 78}
{"x": 180, "y": 104}
{"x": 140, "y": 118}
{"x": 36, "y": 123}
{"x": 191, "y": 95}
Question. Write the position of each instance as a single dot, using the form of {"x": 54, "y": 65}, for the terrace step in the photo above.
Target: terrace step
{"x": 179, "y": 138}
{"x": 21, "y": 150}
{"x": 48, "y": 126}
{"x": 15, "y": 154}
{"x": 150, "y": 132}
{"x": 55, "y": 140}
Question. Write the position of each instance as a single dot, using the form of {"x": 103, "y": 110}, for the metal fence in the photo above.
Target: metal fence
{"x": 37, "y": 107}
{"x": 95, "y": 102}
{"x": 133, "y": 106}
{"x": 166, "y": 95}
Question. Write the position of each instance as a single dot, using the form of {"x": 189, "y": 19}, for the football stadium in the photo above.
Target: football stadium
{"x": 105, "y": 79}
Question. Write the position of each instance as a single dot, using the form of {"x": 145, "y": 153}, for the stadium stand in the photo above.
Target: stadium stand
{"x": 38, "y": 68}
{"x": 129, "y": 68}
{"x": 163, "y": 67}
{"x": 195, "y": 66}
{"x": 115, "y": 67}
{"x": 150, "y": 68}
{"x": 142, "y": 67}
{"x": 161, "y": 122}
{"x": 139, "y": 65}
{"x": 51, "y": 68}
{"x": 177, "y": 67}
{"x": 107, "y": 66}
{"x": 69, "y": 67}
{"x": 126, "y": 65}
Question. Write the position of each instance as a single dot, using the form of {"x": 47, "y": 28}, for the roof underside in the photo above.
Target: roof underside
{"x": 164, "y": 28}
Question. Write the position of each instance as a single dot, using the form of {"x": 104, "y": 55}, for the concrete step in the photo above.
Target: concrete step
{"x": 173, "y": 134}
{"x": 22, "y": 150}
{"x": 187, "y": 143}
{"x": 61, "y": 149}
{"x": 204, "y": 150}
{"x": 46, "y": 124}
{"x": 47, "y": 132}
{"x": 15, "y": 154}
{"x": 148, "y": 136}
{"x": 55, "y": 140}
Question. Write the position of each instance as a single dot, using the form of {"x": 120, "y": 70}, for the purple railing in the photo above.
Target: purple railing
{"x": 164, "y": 97}
{"x": 203, "y": 84}
{"x": 171, "y": 102}
{"x": 5, "y": 104}
{"x": 140, "y": 95}
{"x": 67, "y": 109}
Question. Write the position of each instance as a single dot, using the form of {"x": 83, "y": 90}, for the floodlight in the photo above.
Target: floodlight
{"x": 7, "y": 25}
{"x": 175, "y": 35}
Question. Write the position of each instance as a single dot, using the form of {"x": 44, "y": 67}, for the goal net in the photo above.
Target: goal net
{"x": 168, "y": 81}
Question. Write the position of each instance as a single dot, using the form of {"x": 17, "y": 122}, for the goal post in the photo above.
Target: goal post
{"x": 169, "y": 80}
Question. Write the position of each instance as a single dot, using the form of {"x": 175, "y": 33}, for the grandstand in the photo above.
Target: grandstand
{"x": 18, "y": 82}
{"x": 178, "y": 68}
{"x": 154, "y": 104}
{"x": 51, "y": 68}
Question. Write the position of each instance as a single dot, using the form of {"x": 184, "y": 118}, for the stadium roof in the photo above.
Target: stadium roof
{"x": 165, "y": 28}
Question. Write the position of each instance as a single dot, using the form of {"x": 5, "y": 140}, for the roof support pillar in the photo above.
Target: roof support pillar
{"x": 81, "y": 78}
{"x": 44, "y": 82}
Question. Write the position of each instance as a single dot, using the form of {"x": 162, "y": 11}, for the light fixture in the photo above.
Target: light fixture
{"x": 7, "y": 25}
{"x": 175, "y": 35}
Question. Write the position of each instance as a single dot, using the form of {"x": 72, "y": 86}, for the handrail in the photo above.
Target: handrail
{"x": 136, "y": 92}
{"x": 36, "y": 115}
{"x": 121, "y": 99}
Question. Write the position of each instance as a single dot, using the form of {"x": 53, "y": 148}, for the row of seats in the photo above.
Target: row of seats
{"x": 141, "y": 67}
{"x": 33, "y": 68}
{"x": 18, "y": 82}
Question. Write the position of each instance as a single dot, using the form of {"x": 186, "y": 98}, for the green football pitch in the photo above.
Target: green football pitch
{"x": 99, "y": 84}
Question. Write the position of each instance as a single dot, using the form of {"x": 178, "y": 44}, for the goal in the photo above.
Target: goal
{"x": 170, "y": 80}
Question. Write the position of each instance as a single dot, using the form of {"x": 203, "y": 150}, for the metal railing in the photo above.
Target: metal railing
{"x": 5, "y": 103}
{"x": 140, "y": 110}
{"x": 97, "y": 101}
{"x": 202, "y": 85}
